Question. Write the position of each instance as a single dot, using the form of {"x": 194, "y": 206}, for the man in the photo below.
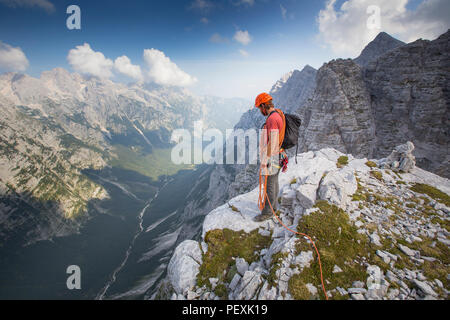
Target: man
{"x": 270, "y": 154}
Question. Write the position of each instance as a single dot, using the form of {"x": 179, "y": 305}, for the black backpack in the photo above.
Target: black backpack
{"x": 293, "y": 123}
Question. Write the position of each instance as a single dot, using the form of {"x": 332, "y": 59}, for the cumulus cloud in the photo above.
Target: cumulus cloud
{"x": 12, "y": 59}
{"x": 201, "y": 5}
{"x": 244, "y": 53}
{"x": 217, "y": 38}
{"x": 89, "y": 62}
{"x": 346, "y": 30}
{"x": 123, "y": 65}
{"x": 161, "y": 70}
{"x": 243, "y": 37}
{"x": 283, "y": 12}
{"x": 44, "y": 4}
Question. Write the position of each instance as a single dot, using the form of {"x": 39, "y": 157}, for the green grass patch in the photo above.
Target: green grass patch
{"x": 221, "y": 291}
{"x": 377, "y": 175}
{"x": 342, "y": 161}
{"x": 338, "y": 243}
{"x": 275, "y": 265}
{"x": 225, "y": 244}
{"x": 359, "y": 195}
{"x": 371, "y": 164}
{"x": 298, "y": 289}
{"x": 433, "y": 192}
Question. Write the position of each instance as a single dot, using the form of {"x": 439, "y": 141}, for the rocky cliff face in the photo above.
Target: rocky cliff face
{"x": 381, "y": 235}
{"x": 410, "y": 100}
{"x": 339, "y": 114}
{"x": 401, "y": 95}
{"x": 291, "y": 92}
{"x": 379, "y": 46}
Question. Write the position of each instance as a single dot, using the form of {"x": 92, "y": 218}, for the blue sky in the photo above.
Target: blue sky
{"x": 199, "y": 36}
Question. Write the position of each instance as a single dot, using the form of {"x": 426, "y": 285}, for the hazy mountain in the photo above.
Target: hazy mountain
{"x": 55, "y": 126}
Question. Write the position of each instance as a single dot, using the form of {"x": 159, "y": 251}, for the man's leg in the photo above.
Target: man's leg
{"x": 272, "y": 195}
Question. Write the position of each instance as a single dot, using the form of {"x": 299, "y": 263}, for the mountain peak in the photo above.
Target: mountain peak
{"x": 382, "y": 43}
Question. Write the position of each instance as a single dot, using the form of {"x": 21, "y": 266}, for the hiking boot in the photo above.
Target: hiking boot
{"x": 262, "y": 217}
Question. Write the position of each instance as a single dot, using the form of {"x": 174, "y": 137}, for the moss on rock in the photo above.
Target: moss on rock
{"x": 371, "y": 164}
{"x": 225, "y": 244}
{"x": 342, "y": 161}
{"x": 433, "y": 192}
{"x": 338, "y": 243}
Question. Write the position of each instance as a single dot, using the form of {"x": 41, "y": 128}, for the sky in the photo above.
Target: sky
{"x": 227, "y": 48}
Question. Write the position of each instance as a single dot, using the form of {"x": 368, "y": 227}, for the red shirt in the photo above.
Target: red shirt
{"x": 274, "y": 122}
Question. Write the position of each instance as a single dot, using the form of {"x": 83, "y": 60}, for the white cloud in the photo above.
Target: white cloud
{"x": 86, "y": 61}
{"x": 12, "y": 59}
{"x": 345, "y": 29}
{"x": 123, "y": 65}
{"x": 217, "y": 38}
{"x": 163, "y": 71}
{"x": 242, "y": 37}
{"x": 204, "y": 20}
{"x": 44, "y": 4}
{"x": 201, "y": 5}
{"x": 283, "y": 12}
{"x": 244, "y": 2}
{"x": 244, "y": 53}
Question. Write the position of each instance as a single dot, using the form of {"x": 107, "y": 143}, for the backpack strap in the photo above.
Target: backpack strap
{"x": 283, "y": 131}
{"x": 267, "y": 118}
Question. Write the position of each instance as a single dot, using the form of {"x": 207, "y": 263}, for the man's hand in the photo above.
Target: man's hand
{"x": 267, "y": 165}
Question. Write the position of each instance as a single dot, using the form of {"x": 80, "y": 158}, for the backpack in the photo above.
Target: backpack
{"x": 291, "y": 124}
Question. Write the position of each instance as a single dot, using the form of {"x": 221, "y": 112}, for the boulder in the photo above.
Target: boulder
{"x": 184, "y": 266}
{"x": 306, "y": 195}
{"x": 337, "y": 186}
{"x": 242, "y": 266}
{"x": 401, "y": 158}
{"x": 248, "y": 285}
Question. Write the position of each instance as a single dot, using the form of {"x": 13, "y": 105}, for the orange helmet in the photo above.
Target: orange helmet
{"x": 262, "y": 98}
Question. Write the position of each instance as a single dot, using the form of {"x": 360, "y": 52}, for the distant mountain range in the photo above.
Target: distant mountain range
{"x": 53, "y": 127}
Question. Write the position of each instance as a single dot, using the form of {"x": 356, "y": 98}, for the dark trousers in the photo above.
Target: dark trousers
{"x": 272, "y": 193}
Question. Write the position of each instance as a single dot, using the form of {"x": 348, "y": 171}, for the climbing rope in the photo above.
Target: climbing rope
{"x": 261, "y": 205}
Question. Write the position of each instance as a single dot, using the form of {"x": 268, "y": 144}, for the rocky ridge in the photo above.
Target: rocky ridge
{"x": 382, "y": 43}
{"x": 382, "y": 234}
{"x": 402, "y": 95}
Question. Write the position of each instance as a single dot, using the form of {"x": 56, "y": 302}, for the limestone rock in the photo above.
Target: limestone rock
{"x": 401, "y": 158}
{"x": 184, "y": 266}
{"x": 337, "y": 186}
